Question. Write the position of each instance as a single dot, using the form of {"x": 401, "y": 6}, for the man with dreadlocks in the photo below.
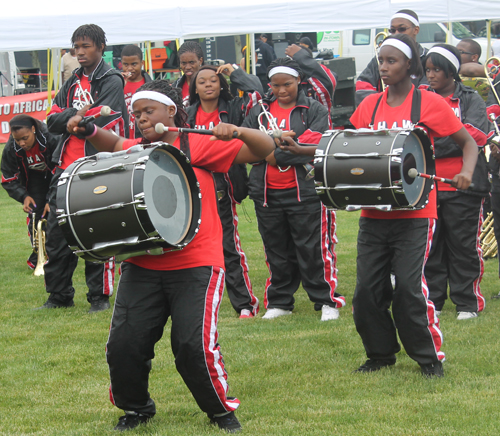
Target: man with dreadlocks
{"x": 184, "y": 285}
{"x": 191, "y": 59}
{"x": 88, "y": 89}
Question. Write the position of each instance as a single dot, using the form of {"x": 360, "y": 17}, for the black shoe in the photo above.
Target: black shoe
{"x": 372, "y": 365}
{"x": 227, "y": 422}
{"x": 99, "y": 305}
{"x": 432, "y": 370}
{"x": 55, "y": 305}
{"x": 130, "y": 421}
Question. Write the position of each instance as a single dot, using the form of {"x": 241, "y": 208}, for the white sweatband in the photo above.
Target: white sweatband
{"x": 400, "y": 45}
{"x": 153, "y": 95}
{"x": 285, "y": 70}
{"x": 406, "y": 17}
{"x": 446, "y": 54}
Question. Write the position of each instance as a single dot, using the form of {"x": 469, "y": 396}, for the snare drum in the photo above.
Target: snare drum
{"x": 368, "y": 169}
{"x": 136, "y": 201}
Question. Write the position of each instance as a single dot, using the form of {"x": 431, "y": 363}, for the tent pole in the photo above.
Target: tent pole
{"x": 252, "y": 42}
{"x": 49, "y": 80}
{"x": 488, "y": 36}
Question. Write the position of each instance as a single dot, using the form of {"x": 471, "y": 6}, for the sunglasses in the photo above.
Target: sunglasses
{"x": 465, "y": 52}
{"x": 400, "y": 29}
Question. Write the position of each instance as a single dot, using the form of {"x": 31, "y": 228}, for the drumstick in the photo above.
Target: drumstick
{"x": 105, "y": 112}
{"x": 413, "y": 173}
{"x": 161, "y": 128}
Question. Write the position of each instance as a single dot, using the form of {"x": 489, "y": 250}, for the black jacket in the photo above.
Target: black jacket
{"x": 15, "y": 165}
{"x": 308, "y": 114}
{"x": 179, "y": 83}
{"x": 233, "y": 112}
{"x": 106, "y": 86}
{"x": 474, "y": 118}
{"x": 369, "y": 82}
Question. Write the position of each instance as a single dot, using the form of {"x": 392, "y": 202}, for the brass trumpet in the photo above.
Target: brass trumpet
{"x": 491, "y": 69}
{"x": 377, "y": 42}
{"x": 39, "y": 246}
{"x": 487, "y": 238}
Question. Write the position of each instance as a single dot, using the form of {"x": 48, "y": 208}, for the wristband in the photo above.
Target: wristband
{"x": 90, "y": 130}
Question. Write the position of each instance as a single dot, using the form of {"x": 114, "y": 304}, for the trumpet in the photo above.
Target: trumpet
{"x": 275, "y": 132}
{"x": 491, "y": 69}
{"x": 39, "y": 246}
{"x": 487, "y": 238}
{"x": 377, "y": 42}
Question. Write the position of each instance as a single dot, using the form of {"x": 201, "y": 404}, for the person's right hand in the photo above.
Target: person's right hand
{"x": 292, "y": 49}
{"x": 72, "y": 126}
{"x": 28, "y": 201}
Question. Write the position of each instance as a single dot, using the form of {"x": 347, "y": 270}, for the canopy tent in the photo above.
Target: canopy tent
{"x": 33, "y": 25}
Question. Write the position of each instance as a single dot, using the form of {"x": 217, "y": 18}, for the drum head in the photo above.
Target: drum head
{"x": 167, "y": 194}
{"x": 413, "y": 156}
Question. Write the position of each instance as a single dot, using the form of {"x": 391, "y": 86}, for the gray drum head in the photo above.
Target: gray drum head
{"x": 413, "y": 156}
{"x": 168, "y": 196}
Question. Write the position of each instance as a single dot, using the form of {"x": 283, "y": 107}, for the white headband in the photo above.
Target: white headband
{"x": 400, "y": 45}
{"x": 406, "y": 17}
{"x": 285, "y": 70}
{"x": 153, "y": 95}
{"x": 448, "y": 55}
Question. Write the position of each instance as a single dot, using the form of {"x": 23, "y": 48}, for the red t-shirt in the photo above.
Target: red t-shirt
{"x": 129, "y": 90}
{"x": 206, "y": 247}
{"x": 185, "y": 93}
{"x": 205, "y": 120}
{"x": 435, "y": 114}
{"x": 280, "y": 178}
{"x": 75, "y": 147}
{"x": 36, "y": 159}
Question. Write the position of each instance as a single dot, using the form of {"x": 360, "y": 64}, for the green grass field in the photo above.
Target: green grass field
{"x": 293, "y": 375}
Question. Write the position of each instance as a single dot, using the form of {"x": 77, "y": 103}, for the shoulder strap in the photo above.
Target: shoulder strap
{"x": 375, "y": 111}
{"x": 416, "y": 104}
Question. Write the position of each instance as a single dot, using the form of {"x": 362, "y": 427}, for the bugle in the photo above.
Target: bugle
{"x": 491, "y": 70}
{"x": 487, "y": 238}
{"x": 39, "y": 246}
{"x": 377, "y": 42}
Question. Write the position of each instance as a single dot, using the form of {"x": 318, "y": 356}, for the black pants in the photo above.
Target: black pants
{"x": 37, "y": 188}
{"x": 455, "y": 258}
{"x": 299, "y": 242}
{"x": 145, "y": 300}
{"x": 238, "y": 285}
{"x": 62, "y": 263}
{"x": 402, "y": 245}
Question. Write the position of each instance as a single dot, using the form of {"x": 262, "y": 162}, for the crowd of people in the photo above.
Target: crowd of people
{"x": 406, "y": 259}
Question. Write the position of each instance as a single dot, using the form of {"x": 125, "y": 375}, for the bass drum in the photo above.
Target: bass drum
{"x": 136, "y": 201}
{"x": 368, "y": 169}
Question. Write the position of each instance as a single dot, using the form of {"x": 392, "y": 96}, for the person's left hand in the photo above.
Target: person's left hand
{"x": 224, "y": 132}
{"x": 72, "y": 126}
{"x": 462, "y": 181}
{"x": 292, "y": 49}
{"x": 226, "y": 69}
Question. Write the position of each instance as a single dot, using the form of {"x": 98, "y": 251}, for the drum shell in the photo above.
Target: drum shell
{"x": 119, "y": 223}
{"x": 346, "y": 176}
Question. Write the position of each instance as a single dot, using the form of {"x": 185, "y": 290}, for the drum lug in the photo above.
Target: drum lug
{"x": 62, "y": 180}
{"x": 140, "y": 167}
{"x": 61, "y": 221}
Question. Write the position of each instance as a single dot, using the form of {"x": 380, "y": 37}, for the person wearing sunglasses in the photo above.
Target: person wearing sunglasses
{"x": 470, "y": 52}
{"x": 404, "y": 21}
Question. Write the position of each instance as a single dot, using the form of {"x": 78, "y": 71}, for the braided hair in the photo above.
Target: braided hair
{"x": 285, "y": 62}
{"x": 175, "y": 94}
{"x": 92, "y": 32}
{"x": 225, "y": 93}
{"x": 191, "y": 47}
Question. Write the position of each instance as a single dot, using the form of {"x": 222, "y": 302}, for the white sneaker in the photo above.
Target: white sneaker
{"x": 329, "y": 313}
{"x": 466, "y": 315}
{"x": 437, "y": 312}
{"x": 275, "y": 313}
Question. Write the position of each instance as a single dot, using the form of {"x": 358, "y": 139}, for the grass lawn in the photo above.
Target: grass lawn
{"x": 293, "y": 375}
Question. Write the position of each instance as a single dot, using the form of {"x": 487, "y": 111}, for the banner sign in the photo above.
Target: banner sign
{"x": 34, "y": 105}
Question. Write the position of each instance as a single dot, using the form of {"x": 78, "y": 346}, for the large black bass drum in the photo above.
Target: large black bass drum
{"x": 368, "y": 169}
{"x": 136, "y": 201}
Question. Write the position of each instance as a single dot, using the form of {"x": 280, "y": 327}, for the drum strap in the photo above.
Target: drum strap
{"x": 415, "y": 108}
{"x": 184, "y": 138}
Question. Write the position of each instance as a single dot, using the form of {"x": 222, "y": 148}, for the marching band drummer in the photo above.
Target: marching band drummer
{"x": 186, "y": 285}
{"x": 455, "y": 258}
{"x": 27, "y": 169}
{"x": 297, "y": 230}
{"x": 401, "y": 239}
{"x": 210, "y": 102}
{"x": 92, "y": 86}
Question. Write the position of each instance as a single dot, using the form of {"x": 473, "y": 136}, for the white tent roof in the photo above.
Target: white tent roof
{"x": 35, "y": 24}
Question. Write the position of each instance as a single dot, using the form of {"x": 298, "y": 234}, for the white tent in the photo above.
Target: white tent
{"x": 35, "y": 24}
